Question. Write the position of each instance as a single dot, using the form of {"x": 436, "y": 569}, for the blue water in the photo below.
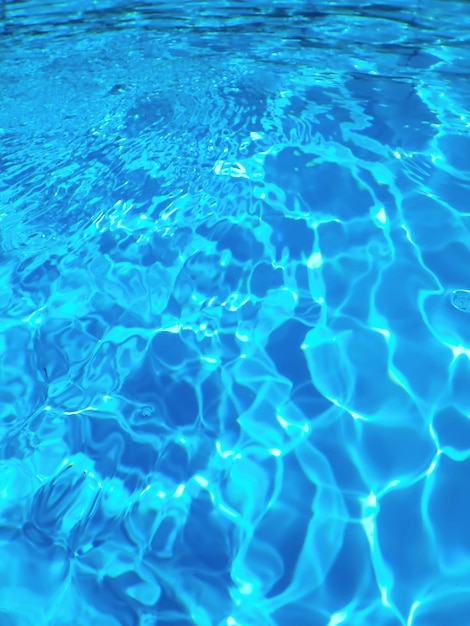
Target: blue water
{"x": 234, "y": 313}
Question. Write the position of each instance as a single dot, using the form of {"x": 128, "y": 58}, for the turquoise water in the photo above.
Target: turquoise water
{"x": 235, "y": 341}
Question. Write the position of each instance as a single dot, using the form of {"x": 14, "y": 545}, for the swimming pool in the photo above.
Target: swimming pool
{"x": 235, "y": 341}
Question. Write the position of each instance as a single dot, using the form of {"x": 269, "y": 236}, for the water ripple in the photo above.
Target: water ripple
{"x": 234, "y": 349}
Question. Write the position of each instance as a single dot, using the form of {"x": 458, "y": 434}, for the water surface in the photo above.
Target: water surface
{"x": 234, "y": 365}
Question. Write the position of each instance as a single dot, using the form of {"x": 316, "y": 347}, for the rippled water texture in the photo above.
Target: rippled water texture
{"x": 235, "y": 341}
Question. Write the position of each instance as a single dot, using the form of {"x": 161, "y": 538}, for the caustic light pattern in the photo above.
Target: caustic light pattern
{"x": 235, "y": 342}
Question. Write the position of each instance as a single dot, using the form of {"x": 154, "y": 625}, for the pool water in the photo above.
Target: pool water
{"x": 234, "y": 313}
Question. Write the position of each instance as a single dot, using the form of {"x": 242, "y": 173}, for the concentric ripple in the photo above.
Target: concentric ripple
{"x": 235, "y": 376}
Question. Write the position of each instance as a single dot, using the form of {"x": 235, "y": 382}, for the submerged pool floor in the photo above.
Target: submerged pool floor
{"x": 234, "y": 314}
